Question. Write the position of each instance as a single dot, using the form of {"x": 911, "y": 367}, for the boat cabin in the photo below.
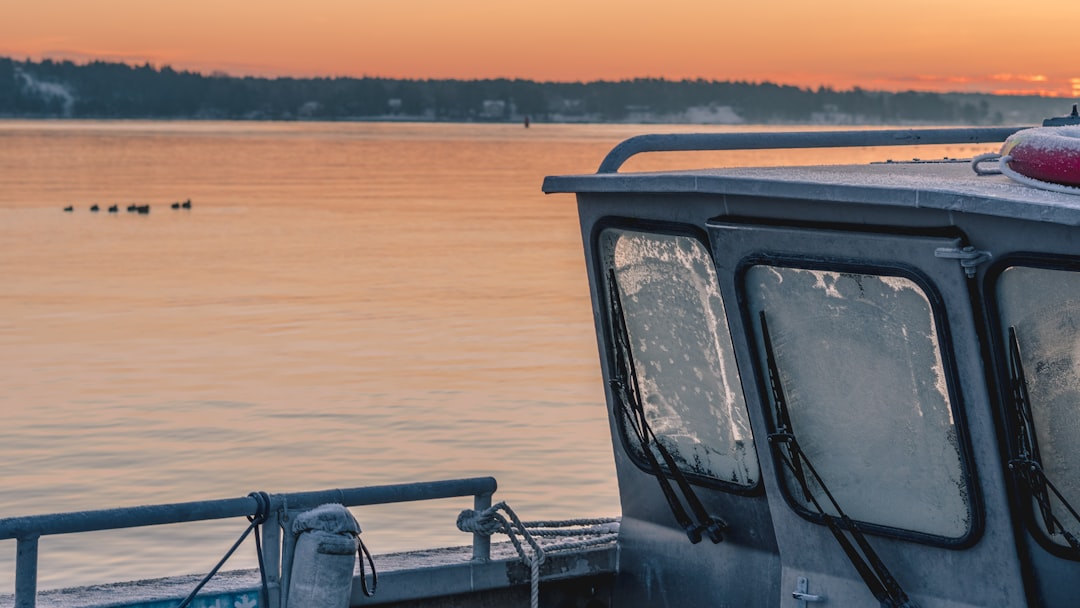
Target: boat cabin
{"x": 838, "y": 385}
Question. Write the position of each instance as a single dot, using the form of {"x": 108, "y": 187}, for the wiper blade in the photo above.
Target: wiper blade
{"x": 1026, "y": 461}
{"x": 783, "y": 432}
{"x": 867, "y": 563}
{"x": 625, "y": 385}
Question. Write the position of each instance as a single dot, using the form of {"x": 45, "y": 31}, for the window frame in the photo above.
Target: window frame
{"x": 975, "y": 516}
{"x": 626, "y": 441}
{"x": 1019, "y": 497}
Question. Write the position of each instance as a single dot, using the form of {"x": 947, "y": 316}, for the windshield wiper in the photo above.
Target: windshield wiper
{"x": 625, "y": 385}
{"x": 871, "y": 569}
{"x": 1026, "y": 462}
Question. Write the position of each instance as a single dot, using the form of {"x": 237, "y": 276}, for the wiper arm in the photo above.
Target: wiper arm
{"x": 783, "y": 434}
{"x": 625, "y": 385}
{"x": 866, "y": 561}
{"x": 1026, "y": 462}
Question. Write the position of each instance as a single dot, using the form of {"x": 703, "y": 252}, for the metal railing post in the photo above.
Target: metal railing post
{"x": 481, "y": 543}
{"x": 272, "y": 558}
{"x": 26, "y": 562}
{"x": 288, "y": 551}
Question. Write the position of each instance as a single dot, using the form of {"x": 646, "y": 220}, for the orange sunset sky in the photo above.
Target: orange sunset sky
{"x": 932, "y": 45}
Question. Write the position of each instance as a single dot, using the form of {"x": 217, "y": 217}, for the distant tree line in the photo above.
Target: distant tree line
{"x": 116, "y": 90}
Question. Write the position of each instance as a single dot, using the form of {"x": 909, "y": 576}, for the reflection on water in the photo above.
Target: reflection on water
{"x": 344, "y": 305}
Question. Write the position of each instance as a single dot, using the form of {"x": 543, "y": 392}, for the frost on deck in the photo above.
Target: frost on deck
{"x": 682, "y": 352}
{"x": 860, "y": 364}
{"x": 1044, "y": 307}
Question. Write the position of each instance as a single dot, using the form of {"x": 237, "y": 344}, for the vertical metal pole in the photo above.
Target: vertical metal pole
{"x": 272, "y": 558}
{"x": 481, "y": 544}
{"x": 26, "y": 562}
{"x": 288, "y": 551}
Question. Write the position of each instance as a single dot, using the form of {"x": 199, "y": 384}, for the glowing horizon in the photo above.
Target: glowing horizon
{"x": 841, "y": 44}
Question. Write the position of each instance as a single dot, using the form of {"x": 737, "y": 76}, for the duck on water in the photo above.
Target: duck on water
{"x": 831, "y": 385}
{"x": 132, "y": 208}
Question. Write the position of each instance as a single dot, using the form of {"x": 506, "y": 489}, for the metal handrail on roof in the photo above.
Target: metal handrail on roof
{"x": 702, "y": 142}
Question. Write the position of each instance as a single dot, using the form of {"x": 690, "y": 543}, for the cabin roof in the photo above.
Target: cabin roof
{"x": 944, "y": 185}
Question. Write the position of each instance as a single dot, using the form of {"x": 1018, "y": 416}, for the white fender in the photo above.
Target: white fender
{"x": 326, "y": 549}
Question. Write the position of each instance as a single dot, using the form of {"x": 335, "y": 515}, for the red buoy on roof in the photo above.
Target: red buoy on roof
{"x": 1047, "y": 154}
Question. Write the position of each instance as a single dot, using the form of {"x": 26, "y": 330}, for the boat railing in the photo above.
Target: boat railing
{"x": 27, "y": 530}
{"x": 702, "y": 142}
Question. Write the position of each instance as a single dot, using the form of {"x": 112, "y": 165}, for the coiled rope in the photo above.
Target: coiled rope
{"x": 262, "y": 512}
{"x": 489, "y": 521}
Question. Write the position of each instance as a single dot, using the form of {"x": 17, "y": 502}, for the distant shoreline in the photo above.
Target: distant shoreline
{"x": 117, "y": 91}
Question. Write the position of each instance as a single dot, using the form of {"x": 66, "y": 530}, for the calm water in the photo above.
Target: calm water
{"x": 344, "y": 305}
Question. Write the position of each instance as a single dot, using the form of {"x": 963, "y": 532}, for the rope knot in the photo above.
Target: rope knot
{"x": 485, "y": 522}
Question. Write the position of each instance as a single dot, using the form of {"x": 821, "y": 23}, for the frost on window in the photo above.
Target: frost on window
{"x": 682, "y": 353}
{"x": 860, "y": 365}
{"x": 1044, "y": 307}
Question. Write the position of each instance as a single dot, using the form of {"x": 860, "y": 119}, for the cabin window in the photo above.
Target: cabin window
{"x": 682, "y": 354}
{"x": 1042, "y": 308}
{"x": 858, "y": 358}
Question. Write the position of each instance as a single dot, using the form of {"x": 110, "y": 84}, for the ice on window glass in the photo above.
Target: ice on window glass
{"x": 1044, "y": 307}
{"x": 682, "y": 352}
{"x": 860, "y": 364}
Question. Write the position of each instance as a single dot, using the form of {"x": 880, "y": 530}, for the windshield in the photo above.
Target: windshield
{"x": 1042, "y": 306}
{"x": 682, "y": 353}
{"x": 858, "y": 357}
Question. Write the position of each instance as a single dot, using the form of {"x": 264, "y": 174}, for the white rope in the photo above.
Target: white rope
{"x": 982, "y": 158}
{"x": 566, "y": 523}
{"x": 489, "y": 521}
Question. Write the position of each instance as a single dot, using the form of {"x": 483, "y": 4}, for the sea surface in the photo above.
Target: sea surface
{"x": 345, "y": 304}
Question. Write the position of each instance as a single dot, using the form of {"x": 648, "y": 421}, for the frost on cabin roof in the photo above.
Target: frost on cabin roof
{"x": 951, "y": 186}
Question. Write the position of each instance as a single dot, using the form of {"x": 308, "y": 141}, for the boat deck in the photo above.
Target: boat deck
{"x": 431, "y": 577}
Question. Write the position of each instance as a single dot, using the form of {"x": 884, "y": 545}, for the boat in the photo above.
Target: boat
{"x": 826, "y": 386}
